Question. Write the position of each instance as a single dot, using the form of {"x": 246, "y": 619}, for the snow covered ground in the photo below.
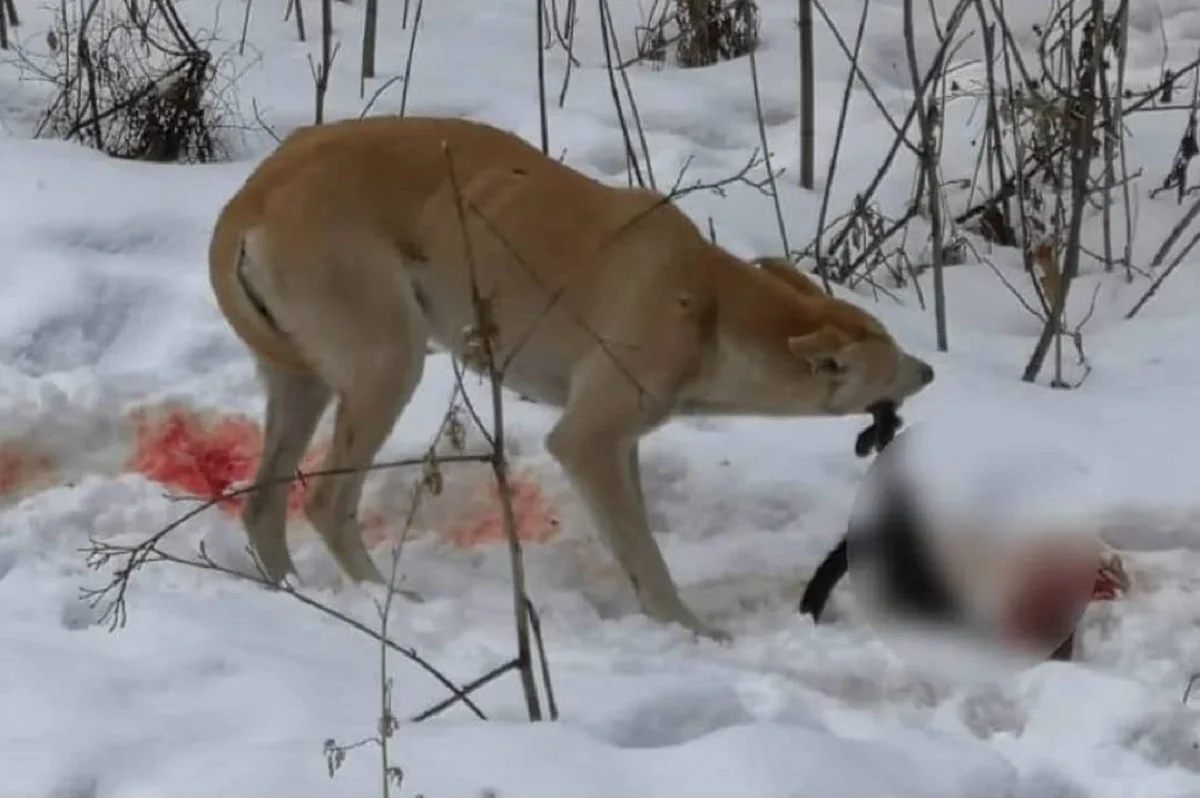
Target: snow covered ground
{"x": 218, "y": 686}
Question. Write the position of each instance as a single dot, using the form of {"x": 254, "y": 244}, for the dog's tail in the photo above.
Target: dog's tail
{"x": 231, "y": 262}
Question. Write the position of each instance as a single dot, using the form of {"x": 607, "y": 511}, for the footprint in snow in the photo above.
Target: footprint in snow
{"x": 76, "y": 614}
{"x": 8, "y": 560}
{"x": 76, "y": 786}
{"x": 1169, "y": 738}
{"x": 676, "y": 716}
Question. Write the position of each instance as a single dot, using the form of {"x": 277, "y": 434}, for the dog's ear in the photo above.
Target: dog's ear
{"x": 796, "y": 279}
{"x": 821, "y": 349}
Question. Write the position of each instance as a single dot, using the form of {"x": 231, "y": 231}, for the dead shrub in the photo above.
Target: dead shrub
{"x": 128, "y": 79}
{"x": 703, "y": 32}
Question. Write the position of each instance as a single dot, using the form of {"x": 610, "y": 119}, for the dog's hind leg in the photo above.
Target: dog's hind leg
{"x": 346, "y": 303}
{"x": 376, "y": 361}
{"x": 295, "y": 401}
{"x": 367, "y": 410}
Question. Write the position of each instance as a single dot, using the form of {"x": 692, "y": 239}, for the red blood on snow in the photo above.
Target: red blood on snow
{"x": 206, "y": 458}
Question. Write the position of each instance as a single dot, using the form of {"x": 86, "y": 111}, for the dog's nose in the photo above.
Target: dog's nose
{"x": 926, "y": 373}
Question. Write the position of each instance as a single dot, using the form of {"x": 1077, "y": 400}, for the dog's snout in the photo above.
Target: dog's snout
{"x": 926, "y": 373}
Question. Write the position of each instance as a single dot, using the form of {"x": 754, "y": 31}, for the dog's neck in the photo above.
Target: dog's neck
{"x": 750, "y": 308}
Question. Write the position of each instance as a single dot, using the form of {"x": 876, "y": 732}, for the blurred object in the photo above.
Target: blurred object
{"x": 982, "y": 572}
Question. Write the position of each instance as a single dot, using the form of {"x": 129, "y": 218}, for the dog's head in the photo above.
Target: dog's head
{"x": 840, "y": 354}
{"x": 854, "y": 370}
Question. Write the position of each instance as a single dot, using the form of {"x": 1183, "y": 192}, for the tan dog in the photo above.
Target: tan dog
{"x": 344, "y": 252}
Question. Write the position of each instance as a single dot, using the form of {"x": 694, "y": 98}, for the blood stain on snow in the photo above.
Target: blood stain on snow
{"x": 375, "y": 528}
{"x": 535, "y": 519}
{"x": 206, "y": 457}
{"x": 21, "y": 468}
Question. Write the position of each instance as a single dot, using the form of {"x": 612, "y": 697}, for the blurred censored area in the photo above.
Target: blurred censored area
{"x": 977, "y": 562}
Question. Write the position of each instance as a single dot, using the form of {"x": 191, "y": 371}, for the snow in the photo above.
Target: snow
{"x": 217, "y": 685}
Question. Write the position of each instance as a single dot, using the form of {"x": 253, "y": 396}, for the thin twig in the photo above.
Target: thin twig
{"x": 837, "y": 147}
{"x": 762, "y": 135}
{"x": 484, "y": 335}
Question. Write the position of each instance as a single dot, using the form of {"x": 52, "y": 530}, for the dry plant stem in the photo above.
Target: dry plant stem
{"x": 370, "y": 28}
{"x": 8, "y": 21}
{"x": 988, "y": 147}
{"x": 563, "y": 38}
{"x": 569, "y": 45}
{"x": 928, "y": 160}
{"x": 534, "y": 618}
{"x": 500, "y": 670}
{"x": 1161, "y": 254}
{"x": 808, "y": 123}
{"x": 543, "y": 121}
{"x": 262, "y": 123}
{"x": 654, "y": 47}
{"x": 1009, "y": 189}
{"x": 837, "y": 147}
{"x": 379, "y": 91}
{"x": 468, "y": 689}
{"x": 1112, "y": 116}
{"x": 241, "y": 41}
{"x": 387, "y": 718}
{"x": 1122, "y": 21}
{"x": 1012, "y": 54}
{"x": 1174, "y": 235}
{"x": 1012, "y": 289}
{"x": 387, "y": 728}
{"x": 535, "y": 622}
{"x": 615, "y": 65}
{"x": 485, "y": 332}
{"x": 935, "y": 69}
{"x": 1187, "y": 692}
{"x": 298, "y": 5}
{"x": 1081, "y": 153}
{"x": 408, "y": 59}
{"x": 1150, "y": 95}
{"x": 899, "y": 225}
{"x": 328, "y": 53}
{"x": 85, "y": 59}
{"x": 175, "y": 23}
{"x": 939, "y": 90}
{"x": 994, "y": 135}
{"x": 607, "y": 35}
{"x": 633, "y": 109}
{"x": 1177, "y": 177}
{"x": 762, "y": 136}
{"x": 1019, "y": 185}
{"x": 99, "y": 116}
{"x": 718, "y": 186}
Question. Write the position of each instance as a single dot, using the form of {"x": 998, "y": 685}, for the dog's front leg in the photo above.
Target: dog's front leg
{"x": 595, "y": 443}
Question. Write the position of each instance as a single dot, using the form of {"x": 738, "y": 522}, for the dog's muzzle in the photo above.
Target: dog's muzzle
{"x": 924, "y": 371}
